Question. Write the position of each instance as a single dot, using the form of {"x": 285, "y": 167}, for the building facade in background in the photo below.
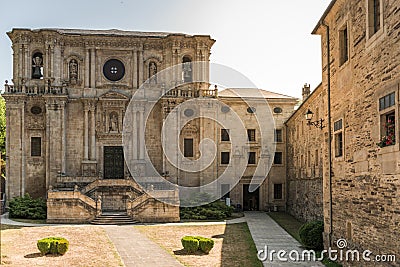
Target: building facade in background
{"x": 65, "y": 117}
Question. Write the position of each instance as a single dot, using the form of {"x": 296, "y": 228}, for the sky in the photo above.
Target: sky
{"x": 270, "y": 42}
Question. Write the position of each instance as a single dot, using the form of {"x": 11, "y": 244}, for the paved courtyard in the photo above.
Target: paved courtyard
{"x": 136, "y": 249}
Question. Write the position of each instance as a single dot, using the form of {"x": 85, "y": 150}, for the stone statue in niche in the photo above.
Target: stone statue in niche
{"x": 113, "y": 124}
{"x": 153, "y": 72}
{"x": 73, "y": 71}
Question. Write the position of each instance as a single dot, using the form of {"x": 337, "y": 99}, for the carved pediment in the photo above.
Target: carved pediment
{"x": 114, "y": 95}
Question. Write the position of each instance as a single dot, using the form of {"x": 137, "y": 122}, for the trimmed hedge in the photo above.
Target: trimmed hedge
{"x": 190, "y": 244}
{"x": 53, "y": 245}
{"x": 194, "y": 243}
{"x": 206, "y": 244}
{"x": 28, "y": 208}
{"x": 311, "y": 235}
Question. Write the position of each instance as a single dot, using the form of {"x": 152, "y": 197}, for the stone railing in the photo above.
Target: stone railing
{"x": 189, "y": 92}
{"x": 35, "y": 89}
{"x": 76, "y": 179}
{"x": 111, "y": 183}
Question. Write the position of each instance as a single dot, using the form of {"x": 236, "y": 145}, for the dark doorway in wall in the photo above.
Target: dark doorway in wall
{"x": 113, "y": 162}
{"x": 251, "y": 199}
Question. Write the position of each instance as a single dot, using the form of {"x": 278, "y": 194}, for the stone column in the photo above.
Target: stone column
{"x": 93, "y": 134}
{"x": 134, "y": 70}
{"x": 141, "y": 133}
{"x": 27, "y": 66}
{"x": 22, "y": 150}
{"x": 135, "y": 136}
{"x": 140, "y": 67}
{"x": 87, "y": 67}
{"x": 63, "y": 138}
{"x": 86, "y": 133}
{"x": 93, "y": 68}
{"x": 21, "y": 69}
{"x": 46, "y": 65}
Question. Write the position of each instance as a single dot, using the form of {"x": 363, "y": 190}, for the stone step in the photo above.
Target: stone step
{"x": 110, "y": 219}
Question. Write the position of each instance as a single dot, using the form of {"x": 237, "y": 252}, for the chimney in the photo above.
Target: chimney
{"x": 306, "y": 91}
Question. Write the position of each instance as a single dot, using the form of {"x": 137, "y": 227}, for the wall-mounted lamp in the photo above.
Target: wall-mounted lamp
{"x": 319, "y": 123}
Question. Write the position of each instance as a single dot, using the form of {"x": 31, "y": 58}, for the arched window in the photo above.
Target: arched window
{"x": 187, "y": 71}
{"x": 37, "y": 66}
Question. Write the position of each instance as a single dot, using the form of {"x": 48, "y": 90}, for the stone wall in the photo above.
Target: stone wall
{"x": 70, "y": 207}
{"x": 306, "y": 160}
{"x": 366, "y": 178}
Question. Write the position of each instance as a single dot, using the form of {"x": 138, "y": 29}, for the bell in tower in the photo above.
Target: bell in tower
{"x": 37, "y": 66}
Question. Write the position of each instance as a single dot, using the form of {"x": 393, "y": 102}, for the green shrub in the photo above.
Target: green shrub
{"x": 193, "y": 243}
{"x": 53, "y": 245}
{"x": 205, "y": 244}
{"x": 311, "y": 235}
{"x": 28, "y": 208}
{"x": 190, "y": 244}
{"x": 216, "y": 210}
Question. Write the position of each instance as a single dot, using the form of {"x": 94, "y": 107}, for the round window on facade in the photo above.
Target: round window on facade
{"x": 277, "y": 110}
{"x": 114, "y": 70}
{"x": 225, "y": 109}
{"x": 251, "y": 110}
{"x": 188, "y": 112}
{"x": 36, "y": 110}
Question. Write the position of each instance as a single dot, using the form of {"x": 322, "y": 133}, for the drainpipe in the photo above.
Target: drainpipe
{"x": 329, "y": 131}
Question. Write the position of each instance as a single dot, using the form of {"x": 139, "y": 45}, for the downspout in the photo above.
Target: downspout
{"x": 329, "y": 131}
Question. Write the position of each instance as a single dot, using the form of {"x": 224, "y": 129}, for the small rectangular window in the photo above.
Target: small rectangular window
{"x": 374, "y": 16}
{"x": 188, "y": 147}
{"x": 339, "y": 144}
{"x": 388, "y": 130}
{"x": 225, "y": 135}
{"x": 387, "y": 101}
{"x": 252, "y": 158}
{"x": 225, "y": 157}
{"x": 278, "y": 158}
{"x": 278, "y": 191}
{"x": 278, "y": 135}
{"x": 251, "y": 135}
{"x": 36, "y": 146}
{"x": 338, "y": 125}
{"x": 344, "y": 45}
{"x": 225, "y": 190}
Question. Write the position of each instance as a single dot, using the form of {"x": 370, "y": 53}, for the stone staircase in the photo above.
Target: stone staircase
{"x": 113, "y": 218}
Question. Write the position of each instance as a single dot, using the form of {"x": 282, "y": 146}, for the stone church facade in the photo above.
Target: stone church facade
{"x": 65, "y": 117}
{"x": 357, "y": 163}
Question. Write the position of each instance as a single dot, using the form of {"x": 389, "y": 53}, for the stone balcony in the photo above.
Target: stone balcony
{"x": 37, "y": 89}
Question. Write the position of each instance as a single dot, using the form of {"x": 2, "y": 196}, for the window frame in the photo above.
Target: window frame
{"x": 374, "y": 20}
{"x": 225, "y": 133}
{"x": 255, "y": 158}
{"x": 278, "y": 188}
{"x": 251, "y": 135}
{"x": 222, "y": 158}
{"x": 276, "y": 135}
{"x": 344, "y": 45}
{"x": 338, "y": 138}
{"x": 36, "y": 148}
{"x": 186, "y": 153}
{"x": 281, "y": 158}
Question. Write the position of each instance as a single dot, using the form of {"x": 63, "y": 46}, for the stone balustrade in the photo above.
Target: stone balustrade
{"x": 41, "y": 89}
